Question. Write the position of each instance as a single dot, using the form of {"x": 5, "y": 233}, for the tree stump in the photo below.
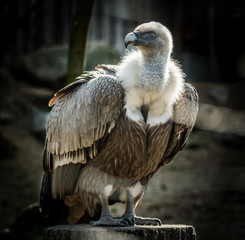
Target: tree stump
{"x": 86, "y": 232}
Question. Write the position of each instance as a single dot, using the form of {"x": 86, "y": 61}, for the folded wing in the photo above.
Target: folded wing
{"x": 82, "y": 114}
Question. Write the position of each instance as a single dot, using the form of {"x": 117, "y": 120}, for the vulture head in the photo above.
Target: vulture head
{"x": 150, "y": 38}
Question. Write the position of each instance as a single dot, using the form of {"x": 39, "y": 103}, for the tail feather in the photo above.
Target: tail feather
{"x": 55, "y": 209}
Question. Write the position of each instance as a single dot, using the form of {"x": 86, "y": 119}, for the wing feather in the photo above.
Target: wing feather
{"x": 82, "y": 114}
{"x": 165, "y": 141}
{"x": 185, "y": 113}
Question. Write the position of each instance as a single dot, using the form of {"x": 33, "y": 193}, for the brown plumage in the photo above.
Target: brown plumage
{"x": 111, "y": 130}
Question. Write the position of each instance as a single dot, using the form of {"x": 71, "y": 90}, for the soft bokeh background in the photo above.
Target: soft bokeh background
{"x": 205, "y": 185}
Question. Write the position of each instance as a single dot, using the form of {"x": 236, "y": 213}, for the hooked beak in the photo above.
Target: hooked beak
{"x": 132, "y": 38}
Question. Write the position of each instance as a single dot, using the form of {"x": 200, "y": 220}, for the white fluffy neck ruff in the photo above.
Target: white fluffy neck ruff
{"x": 155, "y": 82}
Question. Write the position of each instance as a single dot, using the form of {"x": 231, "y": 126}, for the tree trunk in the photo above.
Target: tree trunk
{"x": 78, "y": 39}
{"x": 84, "y": 232}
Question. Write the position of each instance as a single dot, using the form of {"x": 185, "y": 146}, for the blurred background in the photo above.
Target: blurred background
{"x": 205, "y": 185}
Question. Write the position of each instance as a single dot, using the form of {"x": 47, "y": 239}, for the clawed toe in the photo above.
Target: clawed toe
{"x": 129, "y": 221}
{"x": 148, "y": 221}
{"x": 126, "y": 222}
{"x": 109, "y": 222}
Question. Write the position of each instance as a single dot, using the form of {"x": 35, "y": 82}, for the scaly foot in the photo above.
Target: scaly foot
{"x": 109, "y": 221}
{"x": 147, "y": 221}
{"x": 132, "y": 220}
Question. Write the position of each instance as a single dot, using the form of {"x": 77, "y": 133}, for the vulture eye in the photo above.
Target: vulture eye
{"x": 150, "y": 35}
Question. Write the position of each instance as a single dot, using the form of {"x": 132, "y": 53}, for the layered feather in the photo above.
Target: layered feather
{"x": 81, "y": 116}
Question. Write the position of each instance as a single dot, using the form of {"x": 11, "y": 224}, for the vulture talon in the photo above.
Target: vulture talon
{"x": 129, "y": 222}
{"x": 109, "y": 222}
{"x": 148, "y": 221}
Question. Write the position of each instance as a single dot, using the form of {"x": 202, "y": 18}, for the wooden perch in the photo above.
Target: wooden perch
{"x": 86, "y": 232}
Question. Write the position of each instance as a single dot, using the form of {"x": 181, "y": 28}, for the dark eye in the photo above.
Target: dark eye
{"x": 150, "y": 35}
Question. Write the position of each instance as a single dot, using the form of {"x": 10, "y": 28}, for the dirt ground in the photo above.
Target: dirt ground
{"x": 204, "y": 186}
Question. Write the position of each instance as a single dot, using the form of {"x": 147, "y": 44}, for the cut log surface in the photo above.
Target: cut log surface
{"x": 85, "y": 232}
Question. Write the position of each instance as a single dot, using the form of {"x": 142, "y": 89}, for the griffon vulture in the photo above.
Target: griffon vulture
{"x": 110, "y": 131}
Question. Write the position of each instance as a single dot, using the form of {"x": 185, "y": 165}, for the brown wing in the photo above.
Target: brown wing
{"x": 165, "y": 141}
{"x": 100, "y": 70}
{"x": 83, "y": 113}
{"x": 185, "y": 113}
{"x": 79, "y": 119}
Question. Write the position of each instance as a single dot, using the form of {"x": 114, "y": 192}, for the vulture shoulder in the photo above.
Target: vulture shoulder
{"x": 83, "y": 113}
